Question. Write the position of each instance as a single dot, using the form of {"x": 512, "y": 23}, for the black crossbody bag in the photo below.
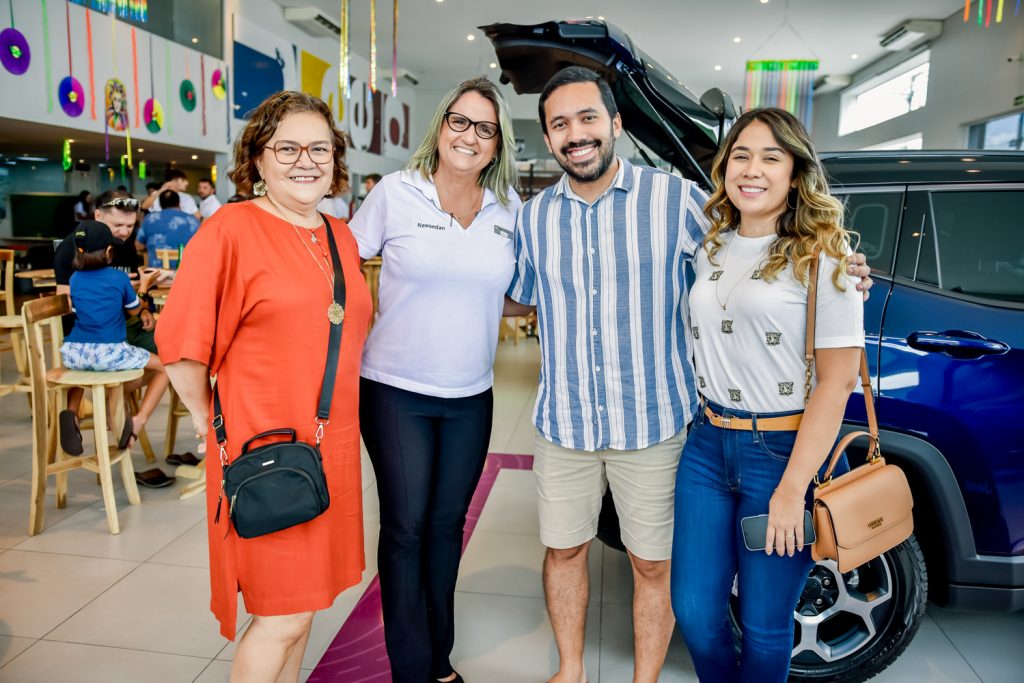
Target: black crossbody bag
{"x": 282, "y": 484}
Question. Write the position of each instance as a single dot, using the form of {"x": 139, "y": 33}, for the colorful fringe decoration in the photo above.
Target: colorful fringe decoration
{"x": 135, "y": 79}
{"x": 133, "y": 10}
{"x": 787, "y": 84}
{"x": 985, "y": 12}
{"x": 92, "y": 74}
{"x": 394, "y": 52}
{"x": 202, "y": 80}
{"x": 343, "y": 57}
{"x": 373, "y": 46}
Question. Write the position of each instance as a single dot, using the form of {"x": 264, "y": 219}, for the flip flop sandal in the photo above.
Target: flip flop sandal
{"x": 126, "y": 433}
{"x": 70, "y": 433}
{"x": 153, "y": 479}
{"x": 183, "y": 459}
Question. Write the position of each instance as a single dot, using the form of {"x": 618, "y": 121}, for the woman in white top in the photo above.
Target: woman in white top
{"x": 443, "y": 227}
{"x": 754, "y": 449}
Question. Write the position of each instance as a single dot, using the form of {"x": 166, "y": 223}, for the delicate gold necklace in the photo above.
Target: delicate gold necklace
{"x": 453, "y": 217}
{"x": 742, "y": 278}
{"x": 335, "y": 312}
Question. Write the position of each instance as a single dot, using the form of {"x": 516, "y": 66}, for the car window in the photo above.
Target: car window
{"x": 875, "y": 217}
{"x": 978, "y": 243}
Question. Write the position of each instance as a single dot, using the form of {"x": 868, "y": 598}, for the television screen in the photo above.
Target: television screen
{"x": 42, "y": 214}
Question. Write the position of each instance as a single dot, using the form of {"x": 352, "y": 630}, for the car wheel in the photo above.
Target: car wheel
{"x": 850, "y": 626}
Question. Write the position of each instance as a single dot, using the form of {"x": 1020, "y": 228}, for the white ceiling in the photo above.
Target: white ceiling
{"x": 688, "y": 37}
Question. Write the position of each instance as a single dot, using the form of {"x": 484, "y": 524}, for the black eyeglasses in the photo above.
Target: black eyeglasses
{"x": 459, "y": 124}
{"x": 289, "y": 151}
{"x": 123, "y": 203}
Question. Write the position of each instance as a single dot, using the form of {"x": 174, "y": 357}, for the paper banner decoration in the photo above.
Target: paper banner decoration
{"x": 153, "y": 115}
{"x": 343, "y": 57}
{"x": 187, "y": 93}
{"x": 218, "y": 84}
{"x": 787, "y": 84}
{"x": 116, "y": 98}
{"x": 14, "y": 52}
{"x": 373, "y": 46}
{"x": 394, "y": 52}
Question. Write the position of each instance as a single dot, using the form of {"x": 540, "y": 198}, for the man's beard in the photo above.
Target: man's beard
{"x": 606, "y": 156}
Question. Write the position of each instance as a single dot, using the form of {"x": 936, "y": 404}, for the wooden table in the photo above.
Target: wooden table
{"x": 41, "y": 277}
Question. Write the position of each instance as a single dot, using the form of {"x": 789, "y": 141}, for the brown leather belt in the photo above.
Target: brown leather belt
{"x": 785, "y": 423}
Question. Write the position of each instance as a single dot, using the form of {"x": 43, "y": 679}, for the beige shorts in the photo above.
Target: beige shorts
{"x": 571, "y": 484}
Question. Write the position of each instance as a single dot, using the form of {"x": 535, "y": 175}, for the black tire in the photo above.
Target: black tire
{"x": 890, "y": 592}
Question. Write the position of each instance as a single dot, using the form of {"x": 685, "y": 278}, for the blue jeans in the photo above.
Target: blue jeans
{"x": 723, "y": 476}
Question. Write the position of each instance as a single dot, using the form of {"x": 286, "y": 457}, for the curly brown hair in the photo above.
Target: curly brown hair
{"x": 263, "y": 124}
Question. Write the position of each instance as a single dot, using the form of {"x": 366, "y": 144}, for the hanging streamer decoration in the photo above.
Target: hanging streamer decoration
{"x": 394, "y": 52}
{"x": 14, "y": 52}
{"x": 152, "y": 113}
{"x": 65, "y": 156}
{"x": 787, "y": 84}
{"x": 202, "y": 80}
{"x": 135, "y": 78}
{"x": 70, "y": 91}
{"x": 373, "y": 46}
{"x": 92, "y": 71}
{"x": 985, "y": 11}
{"x": 167, "y": 86}
{"x": 343, "y": 57}
{"x": 46, "y": 55}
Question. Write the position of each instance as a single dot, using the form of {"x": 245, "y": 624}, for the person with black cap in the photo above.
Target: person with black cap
{"x": 100, "y": 296}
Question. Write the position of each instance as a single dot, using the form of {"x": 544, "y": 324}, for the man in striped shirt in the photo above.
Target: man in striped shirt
{"x": 601, "y": 255}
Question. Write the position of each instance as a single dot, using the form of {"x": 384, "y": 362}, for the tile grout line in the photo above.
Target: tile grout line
{"x": 957, "y": 649}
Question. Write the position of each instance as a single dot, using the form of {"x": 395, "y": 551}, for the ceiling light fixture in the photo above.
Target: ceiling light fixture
{"x": 194, "y": 157}
{"x": 854, "y": 56}
{"x": 195, "y": 40}
{"x": 764, "y": 2}
{"x": 737, "y": 39}
{"x": 718, "y": 67}
{"x": 968, "y": 159}
{"x": 470, "y": 37}
{"x": 493, "y": 65}
{"x": 140, "y": 150}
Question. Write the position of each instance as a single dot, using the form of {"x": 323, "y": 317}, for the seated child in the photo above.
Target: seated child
{"x": 100, "y": 295}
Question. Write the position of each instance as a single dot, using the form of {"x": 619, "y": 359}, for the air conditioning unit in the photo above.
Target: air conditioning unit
{"x": 312, "y": 21}
{"x": 910, "y": 34}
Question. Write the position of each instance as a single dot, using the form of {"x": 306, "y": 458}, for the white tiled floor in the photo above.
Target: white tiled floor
{"x": 77, "y": 604}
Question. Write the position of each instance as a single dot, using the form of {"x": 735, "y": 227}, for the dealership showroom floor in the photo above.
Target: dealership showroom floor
{"x": 78, "y": 604}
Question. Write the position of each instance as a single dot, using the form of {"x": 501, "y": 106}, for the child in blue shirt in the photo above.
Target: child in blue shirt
{"x": 100, "y": 295}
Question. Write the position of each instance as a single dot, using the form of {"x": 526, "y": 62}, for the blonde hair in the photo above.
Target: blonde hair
{"x": 497, "y": 176}
{"x": 812, "y": 215}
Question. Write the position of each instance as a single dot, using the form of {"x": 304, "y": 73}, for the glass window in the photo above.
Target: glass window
{"x": 1005, "y": 132}
{"x": 198, "y": 24}
{"x": 979, "y": 242}
{"x": 886, "y": 96}
{"x": 875, "y": 217}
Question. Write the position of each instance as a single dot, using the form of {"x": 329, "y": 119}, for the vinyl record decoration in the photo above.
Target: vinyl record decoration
{"x": 70, "y": 93}
{"x": 14, "y": 52}
{"x": 152, "y": 112}
{"x": 187, "y": 91}
{"x": 218, "y": 84}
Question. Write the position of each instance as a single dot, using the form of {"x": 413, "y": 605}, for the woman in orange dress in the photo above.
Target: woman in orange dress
{"x": 249, "y": 306}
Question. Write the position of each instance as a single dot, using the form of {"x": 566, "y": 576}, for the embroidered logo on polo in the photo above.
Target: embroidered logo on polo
{"x": 431, "y": 226}
{"x": 498, "y": 230}
{"x": 773, "y": 338}
{"x": 727, "y": 326}
{"x": 785, "y": 388}
{"x": 716, "y": 274}
{"x": 696, "y": 332}
{"x": 735, "y": 395}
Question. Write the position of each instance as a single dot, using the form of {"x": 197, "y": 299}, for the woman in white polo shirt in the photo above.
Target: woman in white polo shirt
{"x": 443, "y": 227}
{"x": 753, "y": 447}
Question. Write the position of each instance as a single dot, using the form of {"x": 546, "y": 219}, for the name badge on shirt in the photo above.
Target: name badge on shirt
{"x": 498, "y": 230}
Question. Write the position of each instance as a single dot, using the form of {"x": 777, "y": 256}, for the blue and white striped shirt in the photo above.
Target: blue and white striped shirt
{"x": 610, "y": 289}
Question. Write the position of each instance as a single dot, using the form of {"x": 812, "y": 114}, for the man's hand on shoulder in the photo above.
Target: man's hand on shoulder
{"x": 859, "y": 268}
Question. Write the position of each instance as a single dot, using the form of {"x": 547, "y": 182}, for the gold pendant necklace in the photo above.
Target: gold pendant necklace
{"x": 742, "y": 278}
{"x": 458, "y": 218}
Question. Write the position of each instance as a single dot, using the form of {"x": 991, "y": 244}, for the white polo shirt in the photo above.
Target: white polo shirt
{"x": 442, "y": 287}
{"x": 208, "y": 205}
{"x": 187, "y": 204}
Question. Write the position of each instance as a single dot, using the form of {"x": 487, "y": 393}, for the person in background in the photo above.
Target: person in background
{"x": 250, "y": 305}
{"x": 170, "y": 228}
{"x": 101, "y": 296}
{"x": 369, "y": 182}
{"x": 443, "y": 227}
{"x": 177, "y": 181}
{"x": 336, "y": 205}
{"x": 208, "y": 202}
{"x": 83, "y": 207}
{"x": 754, "y": 447}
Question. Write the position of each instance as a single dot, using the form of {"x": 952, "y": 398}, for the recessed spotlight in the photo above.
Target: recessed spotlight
{"x": 764, "y": 2}
{"x": 438, "y": 1}
{"x": 140, "y": 150}
{"x": 70, "y": 140}
{"x": 470, "y": 37}
{"x": 968, "y": 159}
{"x": 855, "y": 56}
{"x": 493, "y": 65}
{"x": 904, "y": 161}
{"x": 81, "y": 161}
{"x": 974, "y": 170}
{"x": 195, "y": 40}
{"x": 718, "y": 67}
{"x": 737, "y": 39}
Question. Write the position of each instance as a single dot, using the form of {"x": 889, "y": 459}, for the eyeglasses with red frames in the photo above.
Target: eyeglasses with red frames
{"x": 459, "y": 123}
{"x": 289, "y": 151}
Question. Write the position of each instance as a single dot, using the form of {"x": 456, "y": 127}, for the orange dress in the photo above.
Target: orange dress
{"x": 251, "y": 303}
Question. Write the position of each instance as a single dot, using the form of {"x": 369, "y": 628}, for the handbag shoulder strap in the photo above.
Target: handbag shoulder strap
{"x": 865, "y": 378}
{"x": 323, "y": 410}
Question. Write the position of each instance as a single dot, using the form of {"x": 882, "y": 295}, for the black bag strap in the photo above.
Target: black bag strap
{"x": 323, "y": 410}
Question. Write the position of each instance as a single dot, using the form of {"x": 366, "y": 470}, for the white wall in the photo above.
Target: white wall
{"x": 969, "y": 80}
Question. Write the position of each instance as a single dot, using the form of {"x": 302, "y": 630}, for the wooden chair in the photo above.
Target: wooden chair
{"x": 166, "y": 256}
{"x": 175, "y": 411}
{"x": 10, "y": 322}
{"x": 49, "y": 396}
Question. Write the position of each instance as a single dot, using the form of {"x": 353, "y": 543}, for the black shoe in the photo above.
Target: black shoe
{"x": 70, "y": 433}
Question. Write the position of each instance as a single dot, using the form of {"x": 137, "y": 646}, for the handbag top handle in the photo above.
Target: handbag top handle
{"x": 323, "y": 410}
{"x": 865, "y": 379}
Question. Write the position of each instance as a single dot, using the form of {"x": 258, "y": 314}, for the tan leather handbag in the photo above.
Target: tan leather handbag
{"x": 869, "y": 510}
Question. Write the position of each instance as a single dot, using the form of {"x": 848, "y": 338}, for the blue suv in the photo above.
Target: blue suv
{"x": 944, "y": 234}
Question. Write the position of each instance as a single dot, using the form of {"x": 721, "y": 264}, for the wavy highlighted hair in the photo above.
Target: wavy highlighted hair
{"x": 497, "y": 176}
{"x": 816, "y": 219}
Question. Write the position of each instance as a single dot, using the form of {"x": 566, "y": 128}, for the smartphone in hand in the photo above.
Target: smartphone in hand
{"x": 755, "y": 528}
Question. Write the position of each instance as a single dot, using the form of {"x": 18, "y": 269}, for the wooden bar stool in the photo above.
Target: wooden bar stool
{"x": 49, "y": 396}
{"x": 166, "y": 256}
{"x": 10, "y": 322}
{"x": 175, "y": 411}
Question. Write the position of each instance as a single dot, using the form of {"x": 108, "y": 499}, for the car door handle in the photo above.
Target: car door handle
{"x": 964, "y": 342}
